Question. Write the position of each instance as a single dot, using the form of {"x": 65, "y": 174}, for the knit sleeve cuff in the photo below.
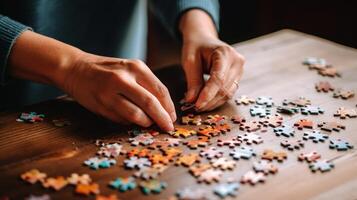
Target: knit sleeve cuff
{"x": 10, "y": 30}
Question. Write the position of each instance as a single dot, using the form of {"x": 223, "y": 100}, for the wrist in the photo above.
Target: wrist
{"x": 41, "y": 59}
{"x": 197, "y": 23}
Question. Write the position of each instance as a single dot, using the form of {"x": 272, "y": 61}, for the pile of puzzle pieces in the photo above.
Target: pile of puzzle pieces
{"x": 210, "y": 146}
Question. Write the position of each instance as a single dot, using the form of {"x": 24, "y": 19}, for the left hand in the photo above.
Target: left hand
{"x": 204, "y": 53}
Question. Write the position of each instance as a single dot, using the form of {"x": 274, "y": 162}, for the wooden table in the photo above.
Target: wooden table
{"x": 273, "y": 68}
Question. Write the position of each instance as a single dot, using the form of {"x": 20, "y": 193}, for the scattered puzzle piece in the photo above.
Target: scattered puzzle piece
{"x": 111, "y": 150}
{"x": 265, "y": 167}
{"x": 340, "y": 145}
{"x": 251, "y": 126}
{"x": 135, "y": 162}
{"x": 109, "y": 197}
{"x": 55, "y": 183}
{"x": 312, "y": 110}
{"x": 313, "y": 61}
{"x": 304, "y": 123}
{"x": 76, "y": 179}
{"x": 61, "y": 122}
{"x": 152, "y": 186}
{"x": 300, "y": 102}
{"x": 315, "y": 135}
{"x": 253, "y": 177}
{"x": 267, "y": 101}
{"x": 190, "y": 193}
{"x": 201, "y": 141}
{"x": 260, "y": 111}
{"x": 331, "y": 126}
{"x": 290, "y": 110}
{"x": 211, "y": 152}
{"x": 165, "y": 143}
{"x": 159, "y": 158}
{"x": 280, "y": 156}
{"x": 343, "y": 113}
{"x": 292, "y": 145}
{"x": 30, "y": 117}
{"x": 209, "y": 131}
{"x": 250, "y": 138}
{"x": 322, "y": 166}
{"x": 329, "y": 71}
{"x": 35, "y": 197}
{"x": 313, "y": 156}
{"x": 143, "y": 139}
{"x": 188, "y": 159}
{"x": 191, "y": 119}
{"x": 123, "y": 184}
{"x": 215, "y": 119}
{"x": 138, "y": 131}
{"x": 324, "y": 86}
{"x": 344, "y": 94}
{"x": 272, "y": 121}
{"x": 96, "y": 163}
{"x": 196, "y": 170}
{"x": 33, "y": 176}
{"x": 284, "y": 130}
{"x": 242, "y": 152}
{"x": 182, "y": 132}
{"x": 244, "y": 100}
{"x": 141, "y": 153}
{"x": 238, "y": 119}
{"x": 172, "y": 152}
{"x": 226, "y": 189}
{"x": 150, "y": 172}
{"x": 223, "y": 163}
{"x": 231, "y": 142}
{"x": 209, "y": 176}
{"x": 87, "y": 189}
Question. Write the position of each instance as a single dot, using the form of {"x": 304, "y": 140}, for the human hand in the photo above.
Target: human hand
{"x": 204, "y": 53}
{"x": 123, "y": 90}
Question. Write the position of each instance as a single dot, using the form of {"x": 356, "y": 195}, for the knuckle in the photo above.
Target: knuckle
{"x": 162, "y": 90}
{"x": 135, "y": 115}
{"x": 149, "y": 102}
{"x": 137, "y": 64}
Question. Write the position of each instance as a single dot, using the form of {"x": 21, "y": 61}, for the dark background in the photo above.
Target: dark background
{"x": 333, "y": 20}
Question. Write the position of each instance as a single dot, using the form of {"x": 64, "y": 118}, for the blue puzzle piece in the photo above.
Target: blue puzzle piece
{"x": 96, "y": 163}
{"x": 242, "y": 152}
{"x": 267, "y": 101}
{"x": 123, "y": 184}
{"x": 315, "y": 136}
{"x": 284, "y": 130}
{"x": 260, "y": 111}
{"x": 340, "y": 145}
{"x": 323, "y": 166}
{"x": 226, "y": 189}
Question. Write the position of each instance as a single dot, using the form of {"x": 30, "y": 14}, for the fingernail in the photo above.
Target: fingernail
{"x": 170, "y": 127}
{"x": 173, "y": 116}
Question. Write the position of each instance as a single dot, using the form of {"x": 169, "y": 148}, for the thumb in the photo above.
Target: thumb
{"x": 194, "y": 76}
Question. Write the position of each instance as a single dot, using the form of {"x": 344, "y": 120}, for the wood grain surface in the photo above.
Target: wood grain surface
{"x": 273, "y": 68}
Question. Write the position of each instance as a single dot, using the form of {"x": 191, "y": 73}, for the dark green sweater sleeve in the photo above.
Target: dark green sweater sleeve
{"x": 169, "y": 12}
{"x": 9, "y": 31}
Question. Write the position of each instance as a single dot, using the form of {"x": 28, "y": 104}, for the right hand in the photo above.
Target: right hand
{"x": 122, "y": 90}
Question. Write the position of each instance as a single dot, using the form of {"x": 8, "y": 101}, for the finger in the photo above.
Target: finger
{"x": 226, "y": 91}
{"x": 220, "y": 65}
{"x": 192, "y": 67}
{"x": 149, "y": 104}
{"x": 150, "y": 82}
{"x": 129, "y": 111}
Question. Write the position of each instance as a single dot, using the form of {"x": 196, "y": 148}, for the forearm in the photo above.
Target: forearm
{"x": 197, "y": 22}
{"x": 42, "y": 59}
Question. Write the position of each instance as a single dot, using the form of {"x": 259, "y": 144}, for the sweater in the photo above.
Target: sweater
{"x": 116, "y": 28}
